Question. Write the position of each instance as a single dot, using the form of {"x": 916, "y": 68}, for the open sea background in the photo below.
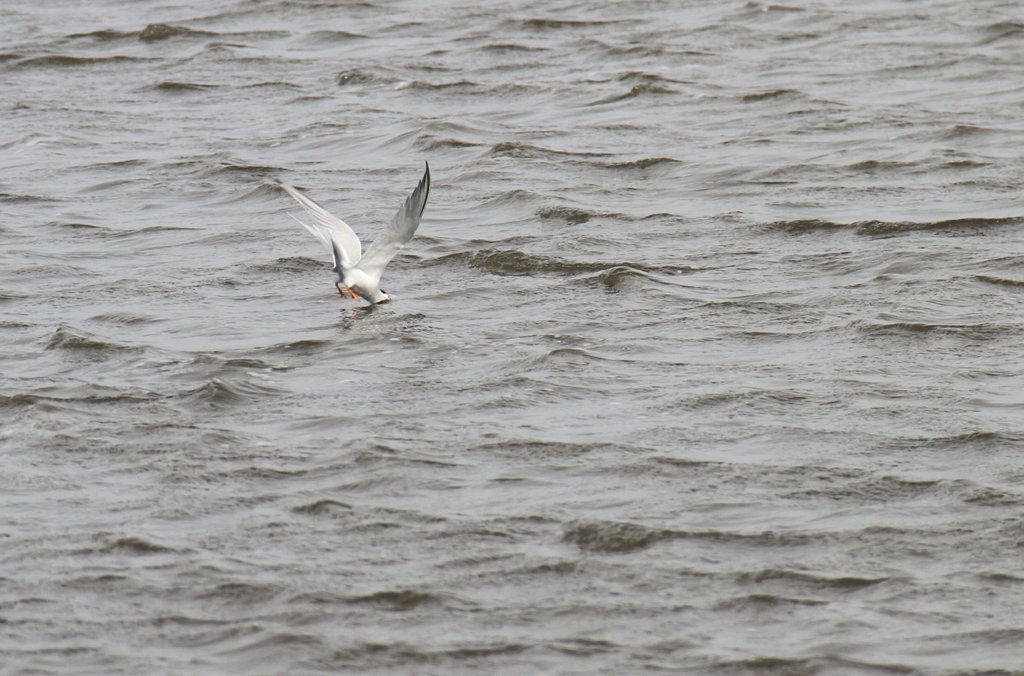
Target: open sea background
{"x": 706, "y": 359}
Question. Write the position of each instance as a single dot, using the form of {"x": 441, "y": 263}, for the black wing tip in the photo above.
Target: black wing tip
{"x": 423, "y": 187}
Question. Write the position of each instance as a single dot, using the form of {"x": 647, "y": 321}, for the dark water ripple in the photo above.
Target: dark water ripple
{"x": 705, "y": 359}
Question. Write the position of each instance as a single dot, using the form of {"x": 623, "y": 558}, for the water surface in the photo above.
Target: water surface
{"x": 705, "y": 359}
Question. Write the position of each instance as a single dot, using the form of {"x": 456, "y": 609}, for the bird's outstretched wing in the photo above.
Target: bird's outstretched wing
{"x": 329, "y": 229}
{"x": 398, "y": 232}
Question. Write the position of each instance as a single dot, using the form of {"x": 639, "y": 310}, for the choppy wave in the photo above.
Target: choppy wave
{"x": 557, "y": 24}
{"x": 975, "y": 331}
{"x": 643, "y": 163}
{"x": 526, "y": 150}
{"x": 355, "y": 76}
{"x": 398, "y": 600}
{"x": 305, "y": 347}
{"x": 68, "y": 61}
{"x": 183, "y": 87}
{"x": 327, "y": 36}
{"x": 433, "y": 143}
{"x": 876, "y": 228}
{"x": 222, "y": 392}
{"x": 433, "y": 86}
{"x": 75, "y": 226}
{"x": 128, "y": 318}
{"x": 637, "y": 90}
{"x": 613, "y": 537}
{"x": 567, "y": 214}
{"x": 770, "y": 94}
{"x": 1000, "y": 281}
{"x": 241, "y": 593}
{"x": 505, "y": 47}
{"x": 291, "y": 264}
{"x": 68, "y": 340}
{"x": 137, "y": 545}
{"x": 514, "y": 262}
{"x": 801, "y": 580}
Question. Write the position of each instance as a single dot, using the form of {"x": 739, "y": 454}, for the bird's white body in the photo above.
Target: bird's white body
{"x": 363, "y": 284}
{"x": 360, "y": 273}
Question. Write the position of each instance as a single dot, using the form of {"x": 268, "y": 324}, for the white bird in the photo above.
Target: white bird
{"x": 360, "y": 273}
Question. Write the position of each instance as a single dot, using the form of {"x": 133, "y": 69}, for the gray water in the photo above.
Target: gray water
{"x": 706, "y": 357}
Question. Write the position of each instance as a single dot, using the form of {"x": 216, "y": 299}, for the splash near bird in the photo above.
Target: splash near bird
{"x": 358, "y": 273}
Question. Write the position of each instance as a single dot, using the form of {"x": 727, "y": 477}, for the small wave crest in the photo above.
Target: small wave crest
{"x": 770, "y": 94}
{"x": 514, "y": 262}
{"x": 567, "y": 214}
{"x": 527, "y": 151}
{"x": 325, "y": 507}
{"x": 162, "y": 31}
{"x": 309, "y": 346}
{"x": 877, "y": 227}
{"x": 976, "y": 331}
{"x": 506, "y": 47}
{"x": 785, "y": 577}
{"x": 182, "y": 87}
{"x": 334, "y": 36}
{"x": 1000, "y": 281}
{"x": 619, "y": 537}
{"x": 429, "y": 142}
{"x": 398, "y": 599}
{"x": 64, "y": 61}
{"x": 354, "y": 76}
{"x": 541, "y": 24}
{"x": 420, "y": 85}
{"x": 241, "y": 593}
{"x": 642, "y": 163}
{"x": 765, "y": 601}
{"x": 65, "y": 339}
{"x": 1000, "y": 30}
{"x": 637, "y": 90}
{"x": 220, "y": 392}
{"x": 137, "y": 545}
{"x": 153, "y": 32}
{"x": 288, "y": 264}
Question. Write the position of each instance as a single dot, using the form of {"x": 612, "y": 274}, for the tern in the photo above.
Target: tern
{"x": 358, "y": 273}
